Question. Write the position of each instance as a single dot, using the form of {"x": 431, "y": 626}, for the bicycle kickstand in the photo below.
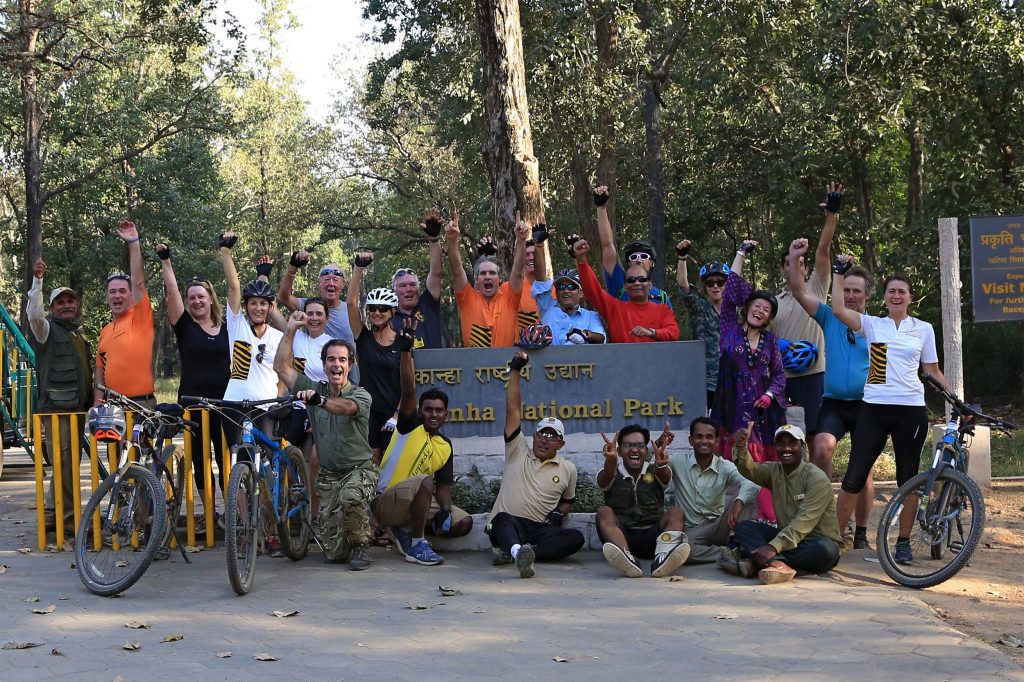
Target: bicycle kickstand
{"x": 181, "y": 546}
{"x": 312, "y": 532}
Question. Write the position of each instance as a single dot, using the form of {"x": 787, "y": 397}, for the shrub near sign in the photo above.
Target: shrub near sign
{"x": 590, "y": 388}
{"x": 997, "y": 266}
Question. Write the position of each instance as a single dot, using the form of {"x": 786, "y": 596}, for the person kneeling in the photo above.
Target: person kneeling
{"x": 633, "y": 523}
{"x": 807, "y": 537}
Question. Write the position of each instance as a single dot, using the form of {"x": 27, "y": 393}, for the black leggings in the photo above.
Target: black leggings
{"x": 213, "y": 435}
{"x": 550, "y": 543}
{"x": 908, "y": 427}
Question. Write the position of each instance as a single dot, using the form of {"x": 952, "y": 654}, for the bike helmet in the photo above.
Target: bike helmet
{"x": 535, "y": 336}
{"x": 382, "y": 296}
{"x": 797, "y": 356}
{"x": 638, "y": 247}
{"x": 709, "y": 269}
{"x": 766, "y": 296}
{"x": 258, "y": 289}
{"x": 106, "y": 423}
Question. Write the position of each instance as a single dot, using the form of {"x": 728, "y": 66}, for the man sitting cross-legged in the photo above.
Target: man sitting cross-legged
{"x": 807, "y": 537}
{"x": 417, "y": 471}
{"x": 633, "y": 523}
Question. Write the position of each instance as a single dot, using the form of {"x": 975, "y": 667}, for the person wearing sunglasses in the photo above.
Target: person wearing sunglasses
{"x": 845, "y": 373}
{"x": 422, "y": 305}
{"x": 330, "y": 285}
{"x": 124, "y": 358}
{"x": 538, "y": 489}
{"x": 487, "y": 311}
{"x": 570, "y": 323}
{"x": 636, "y": 320}
{"x": 202, "y": 339}
{"x": 379, "y": 353}
{"x": 640, "y": 253}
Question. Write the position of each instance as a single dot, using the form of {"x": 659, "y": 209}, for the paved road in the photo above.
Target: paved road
{"x": 705, "y": 625}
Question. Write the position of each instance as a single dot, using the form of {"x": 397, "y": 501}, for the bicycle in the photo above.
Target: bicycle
{"x": 950, "y": 509}
{"x": 136, "y": 518}
{"x": 262, "y": 471}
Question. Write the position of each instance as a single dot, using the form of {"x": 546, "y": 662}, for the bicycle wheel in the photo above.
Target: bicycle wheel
{"x": 130, "y": 532}
{"x": 945, "y": 532}
{"x": 241, "y": 519}
{"x": 293, "y": 513}
{"x": 174, "y": 457}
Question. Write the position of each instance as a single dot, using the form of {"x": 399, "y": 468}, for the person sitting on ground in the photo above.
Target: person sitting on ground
{"x": 418, "y": 469}
{"x": 633, "y": 523}
{"x": 807, "y": 536}
{"x": 340, "y": 413}
{"x": 640, "y": 253}
{"x": 424, "y": 305}
{"x": 570, "y": 323}
{"x": 64, "y": 375}
{"x": 711, "y": 493}
{"x": 331, "y": 282}
{"x": 538, "y": 489}
{"x": 486, "y": 310}
{"x": 633, "y": 321}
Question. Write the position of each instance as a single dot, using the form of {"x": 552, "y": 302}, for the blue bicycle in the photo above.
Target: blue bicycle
{"x": 263, "y": 474}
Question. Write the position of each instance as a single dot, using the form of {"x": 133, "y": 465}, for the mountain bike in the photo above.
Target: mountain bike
{"x": 263, "y": 474}
{"x": 130, "y": 518}
{"x": 950, "y": 509}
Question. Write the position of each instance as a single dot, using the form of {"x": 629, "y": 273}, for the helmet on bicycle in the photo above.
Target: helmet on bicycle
{"x": 106, "y": 423}
{"x": 535, "y": 336}
{"x": 797, "y": 356}
{"x": 709, "y": 269}
{"x": 382, "y": 296}
{"x": 258, "y": 289}
{"x": 640, "y": 247}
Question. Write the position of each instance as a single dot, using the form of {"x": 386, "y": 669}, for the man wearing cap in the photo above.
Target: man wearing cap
{"x": 538, "y": 488}
{"x": 124, "y": 359}
{"x": 807, "y": 537}
{"x": 423, "y": 306}
{"x": 64, "y": 375}
{"x": 640, "y": 253}
{"x": 569, "y": 322}
{"x": 331, "y": 283}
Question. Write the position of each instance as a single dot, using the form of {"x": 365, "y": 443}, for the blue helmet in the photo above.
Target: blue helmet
{"x": 797, "y": 356}
{"x": 713, "y": 268}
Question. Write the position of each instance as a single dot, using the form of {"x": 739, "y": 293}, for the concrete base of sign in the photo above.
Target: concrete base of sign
{"x": 980, "y": 465}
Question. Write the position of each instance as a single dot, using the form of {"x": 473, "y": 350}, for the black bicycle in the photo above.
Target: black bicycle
{"x": 945, "y": 505}
{"x": 131, "y": 517}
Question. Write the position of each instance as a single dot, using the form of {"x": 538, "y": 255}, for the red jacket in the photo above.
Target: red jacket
{"x": 622, "y": 316}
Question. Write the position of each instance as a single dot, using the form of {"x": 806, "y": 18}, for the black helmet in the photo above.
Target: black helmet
{"x": 258, "y": 289}
{"x": 640, "y": 247}
{"x": 709, "y": 269}
{"x": 767, "y": 296}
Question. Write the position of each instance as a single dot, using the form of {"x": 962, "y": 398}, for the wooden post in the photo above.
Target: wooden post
{"x": 949, "y": 278}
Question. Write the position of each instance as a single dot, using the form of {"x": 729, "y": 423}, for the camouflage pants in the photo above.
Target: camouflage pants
{"x": 344, "y": 508}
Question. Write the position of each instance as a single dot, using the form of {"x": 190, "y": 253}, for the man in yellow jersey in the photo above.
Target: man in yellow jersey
{"x": 417, "y": 472}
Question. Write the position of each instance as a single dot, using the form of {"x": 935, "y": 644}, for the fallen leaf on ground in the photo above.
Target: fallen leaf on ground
{"x": 264, "y": 656}
{"x": 31, "y": 600}
{"x": 192, "y": 549}
{"x": 675, "y": 579}
{"x": 176, "y": 637}
{"x": 118, "y": 678}
{"x": 3, "y": 568}
{"x": 285, "y": 614}
{"x": 24, "y": 550}
{"x": 136, "y": 625}
{"x": 122, "y": 564}
{"x": 560, "y": 659}
{"x": 417, "y": 607}
{"x": 479, "y": 611}
{"x": 45, "y": 610}
{"x": 56, "y": 652}
{"x": 1008, "y": 640}
{"x": 21, "y": 645}
{"x": 131, "y": 646}
{"x": 223, "y": 654}
{"x": 872, "y": 559}
{"x": 726, "y": 616}
{"x": 62, "y": 597}
{"x": 448, "y": 591}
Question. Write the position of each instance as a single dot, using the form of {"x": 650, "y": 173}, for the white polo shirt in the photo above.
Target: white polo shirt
{"x": 895, "y": 358}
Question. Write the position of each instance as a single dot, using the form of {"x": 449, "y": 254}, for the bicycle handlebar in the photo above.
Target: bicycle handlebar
{"x": 168, "y": 417}
{"x": 965, "y": 409}
{"x": 241, "y": 404}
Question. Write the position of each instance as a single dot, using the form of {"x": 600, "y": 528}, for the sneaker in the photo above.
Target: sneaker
{"x": 360, "y": 558}
{"x": 422, "y": 553}
{"x": 500, "y": 557}
{"x": 904, "y": 555}
{"x": 403, "y": 541}
{"x": 861, "y": 542}
{"x": 524, "y": 561}
{"x": 622, "y": 560}
{"x": 731, "y": 563}
{"x": 776, "y": 572}
{"x": 665, "y": 565}
{"x": 274, "y": 547}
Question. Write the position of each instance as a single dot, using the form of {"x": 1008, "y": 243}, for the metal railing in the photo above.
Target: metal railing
{"x": 17, "y": 379}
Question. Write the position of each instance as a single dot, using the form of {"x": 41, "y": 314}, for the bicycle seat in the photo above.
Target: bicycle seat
{"x": 280, "y": 411}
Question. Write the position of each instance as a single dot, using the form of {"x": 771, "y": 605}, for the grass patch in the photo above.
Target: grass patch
{"x": 167, "y": 389}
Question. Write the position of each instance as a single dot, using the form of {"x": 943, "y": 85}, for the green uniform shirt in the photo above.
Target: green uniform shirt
{"x": 341, "y": 441}
{"x": 639, "y": 502}
{"x": 804, "y": 504}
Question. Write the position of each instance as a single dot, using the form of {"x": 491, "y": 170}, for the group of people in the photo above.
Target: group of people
{"x": 745, "y": 496}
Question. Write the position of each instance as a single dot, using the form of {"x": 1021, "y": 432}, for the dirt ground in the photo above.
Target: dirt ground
{"x": 986, "y": 598}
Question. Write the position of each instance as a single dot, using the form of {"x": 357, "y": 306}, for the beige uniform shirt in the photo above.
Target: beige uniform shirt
{"x": 531, "y": 488}
{"x": 794, "y": 324}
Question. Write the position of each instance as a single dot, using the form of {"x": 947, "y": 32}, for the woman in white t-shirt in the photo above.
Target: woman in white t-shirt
{"x": 893, "y": 406}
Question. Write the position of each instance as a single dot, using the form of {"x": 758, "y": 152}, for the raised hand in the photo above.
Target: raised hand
{"x": 580, "y": 249}
{"x": 518, "y": 361}
{"x": 163, "y": 250}
{"x": 833, "y": 197}
{"x": 432, "y": 223}
{"x": 485, "y": 247}
{"x": 842, "y": 263}
{"x": 127, "y": 231}
{"x": 610, "y": 449}
{"x": 309, "y": 396}
{"x": 683, "y": 248}
{"x": 540, "y": 233}
{"x": 39, "y": 269}
{"x": 747, "y": 246}
{"x": 798, "y": 249}
{"x": 264, "y": 266}
{"x": 601, "y": 195}
{"x": 299, "y": 259}
{"x": 740, "y": 438}
{"x": 522, "y": 229}
{"x": 406, "y": 338}
{"x": 364, "y": 258}
{"x": 227, "y": 240}
{"x": 666, "y": 437}
{"x": 660, "y": 454}
{"x": 570, "y": 242}
{"x": 451, "y": 230}
{"x": 296, "y": 319}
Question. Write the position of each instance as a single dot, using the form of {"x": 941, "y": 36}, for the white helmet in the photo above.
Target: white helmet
{"x": 382, "y": 296}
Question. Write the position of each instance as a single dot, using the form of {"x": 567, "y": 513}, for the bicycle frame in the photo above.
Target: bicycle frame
{"x": 269, "y": 471}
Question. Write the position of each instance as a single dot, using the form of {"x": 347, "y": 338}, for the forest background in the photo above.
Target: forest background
{"x": 714, "y": 121}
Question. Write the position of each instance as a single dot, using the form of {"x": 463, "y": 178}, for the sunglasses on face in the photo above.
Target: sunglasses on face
{"x": 637, "y": 278}
{"x": 567, "y": 287}
{"x": 715, "y": 283}
{"x": 634, "y": 446}
{"x": 331, "y": 271}
{"x": 850, "y": 337}
{"x": 402, "y": 272}
{"x": 378, "y": 309}
{"x": 118, "y": 275}
{"x": 262, "y": 348}
{"x": 546, "y": 435}
{"x": 638, "y": 257}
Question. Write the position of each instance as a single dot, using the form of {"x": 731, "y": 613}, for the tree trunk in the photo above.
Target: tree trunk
{"x": 32, "y": 120}
{"x": 653, "y": 163}
{"x": 915, "y": 179}
{"x": 508, "y": 150}
{"x": 607, "y": 35}
{"x": 867, "y": 210}
{"x": 583, "y": 203}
